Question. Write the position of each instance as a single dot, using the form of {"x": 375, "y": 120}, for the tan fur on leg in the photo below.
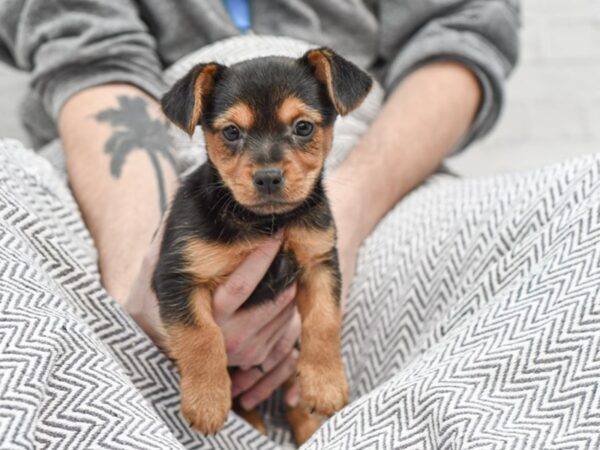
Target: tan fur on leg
{"x": 323, "y": 384}
{"x": 199, "y": 351}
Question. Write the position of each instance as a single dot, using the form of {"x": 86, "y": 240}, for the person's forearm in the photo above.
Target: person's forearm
{"x": 121, "y": 172}
{"x": 422, "y": 121}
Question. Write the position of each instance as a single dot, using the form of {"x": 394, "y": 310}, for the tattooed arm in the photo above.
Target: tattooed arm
{"x": 121, "y": 172}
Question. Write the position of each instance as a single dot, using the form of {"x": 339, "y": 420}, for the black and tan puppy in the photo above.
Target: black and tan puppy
{"x": 268, "y": 127}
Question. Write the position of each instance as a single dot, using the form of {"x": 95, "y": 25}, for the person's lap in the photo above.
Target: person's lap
{"x": 464, "y": 291}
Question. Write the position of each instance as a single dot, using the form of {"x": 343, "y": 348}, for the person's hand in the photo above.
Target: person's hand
{"x": 260, "y": 340}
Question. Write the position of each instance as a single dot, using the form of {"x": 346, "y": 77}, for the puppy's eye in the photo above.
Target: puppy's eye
{"x": 303, "y": 128}
{"x": 231, "y": 133}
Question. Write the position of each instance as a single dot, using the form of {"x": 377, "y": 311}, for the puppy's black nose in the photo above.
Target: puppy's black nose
{"x": 268, "y": 181}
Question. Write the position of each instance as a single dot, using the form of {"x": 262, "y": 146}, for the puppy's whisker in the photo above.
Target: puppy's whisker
{"x": 220, "y": 200}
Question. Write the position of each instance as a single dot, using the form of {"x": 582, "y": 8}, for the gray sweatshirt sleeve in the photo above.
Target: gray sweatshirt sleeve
{"x": 483, "y": 34}
{"x": 70, "y": 45}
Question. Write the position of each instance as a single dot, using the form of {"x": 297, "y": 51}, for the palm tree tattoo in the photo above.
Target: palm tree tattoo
{"x": 137, "y": 131}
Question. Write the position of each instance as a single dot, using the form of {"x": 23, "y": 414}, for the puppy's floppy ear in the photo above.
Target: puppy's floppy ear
{"x": 347, "y": 85}
{"x": 184, "y": 102}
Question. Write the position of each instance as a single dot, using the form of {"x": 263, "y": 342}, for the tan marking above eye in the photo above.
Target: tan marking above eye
{"x": 293, "y": 108}
{"x": 240, "y": 114}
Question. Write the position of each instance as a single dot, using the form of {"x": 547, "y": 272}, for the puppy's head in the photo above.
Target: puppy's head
{"x": 268, "y": 121}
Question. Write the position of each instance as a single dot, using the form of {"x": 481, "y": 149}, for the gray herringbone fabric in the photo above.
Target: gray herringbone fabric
{"x": 473, "y": 323}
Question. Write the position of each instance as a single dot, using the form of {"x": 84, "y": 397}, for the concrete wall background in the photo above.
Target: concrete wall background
{"x": 553, "y": 99}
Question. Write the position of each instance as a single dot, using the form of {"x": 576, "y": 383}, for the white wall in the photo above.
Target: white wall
{"x": 553, "y": 101}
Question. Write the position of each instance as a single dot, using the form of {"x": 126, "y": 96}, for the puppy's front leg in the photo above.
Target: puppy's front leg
{"x": 199, "y": 351}
{"x": 323, "y": 384}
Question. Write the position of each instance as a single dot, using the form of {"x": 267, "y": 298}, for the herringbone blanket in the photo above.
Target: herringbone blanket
{"x": 473, "y": 323}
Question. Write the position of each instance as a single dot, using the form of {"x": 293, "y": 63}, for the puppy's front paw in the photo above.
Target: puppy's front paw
{"x": 323, "y": 389}
{"x": 303, "y": 423}
{"x": 205, "y": 407}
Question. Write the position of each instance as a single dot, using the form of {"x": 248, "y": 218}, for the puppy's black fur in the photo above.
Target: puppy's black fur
{"x": 268, "y": 126}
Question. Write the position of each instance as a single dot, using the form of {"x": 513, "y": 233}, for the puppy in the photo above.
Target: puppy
{"x": 268, "y": 127}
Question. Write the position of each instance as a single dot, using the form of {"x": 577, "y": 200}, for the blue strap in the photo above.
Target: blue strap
{"x": 239, "y": 11}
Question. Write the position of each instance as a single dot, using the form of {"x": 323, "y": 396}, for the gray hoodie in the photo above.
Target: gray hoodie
{"x": 69, "y": 45}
